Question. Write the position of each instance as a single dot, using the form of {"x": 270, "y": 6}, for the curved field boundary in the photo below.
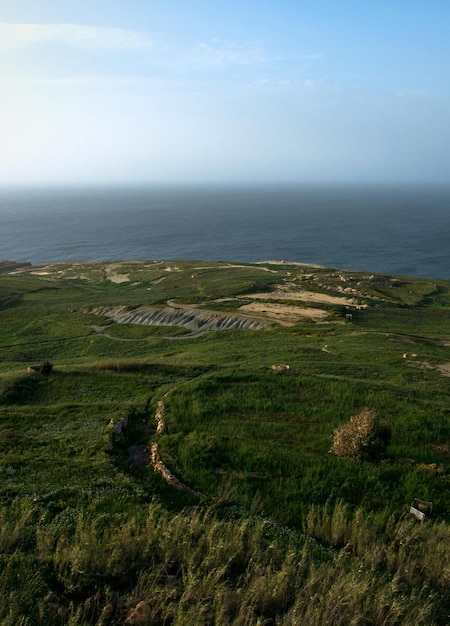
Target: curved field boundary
{"x": 156, "y": 460}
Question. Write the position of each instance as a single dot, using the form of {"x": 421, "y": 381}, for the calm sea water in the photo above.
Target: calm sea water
{"x": 385, "y": 229}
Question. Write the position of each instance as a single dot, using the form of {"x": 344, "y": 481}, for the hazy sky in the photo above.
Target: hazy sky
{"x": 224, "y": 90}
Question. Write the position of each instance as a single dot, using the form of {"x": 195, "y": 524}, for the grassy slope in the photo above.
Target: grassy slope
{"x": 77, "y": 520}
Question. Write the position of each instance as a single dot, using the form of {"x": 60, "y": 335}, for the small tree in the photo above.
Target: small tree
{"x": 363, "y": 438}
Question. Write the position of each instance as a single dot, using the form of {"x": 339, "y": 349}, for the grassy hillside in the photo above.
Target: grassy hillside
{"x": 234, "y": 512}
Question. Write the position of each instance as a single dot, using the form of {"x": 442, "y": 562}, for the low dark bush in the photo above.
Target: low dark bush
{"x": 46, "y": 368}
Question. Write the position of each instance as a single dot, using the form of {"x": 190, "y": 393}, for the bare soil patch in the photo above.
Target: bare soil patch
{"x": 302, "y": 296}
{"x": 114, "y": 276}
{"x": 284, "y": 314}
{"x": 443, "y": 368}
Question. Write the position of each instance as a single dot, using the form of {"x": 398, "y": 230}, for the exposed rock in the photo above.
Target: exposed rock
{"x": 116, "y": 428}
{"x": 107, "y": 613}
{"x": 161, "y": 426}
{"x": 162, "y": 469}
{"x": 11, "y": 266}
{"x": 140, "y": 614}
{"x": 187, "y": 317}
{"x": 120, "y": 425}
{"x": 158, "y": 464}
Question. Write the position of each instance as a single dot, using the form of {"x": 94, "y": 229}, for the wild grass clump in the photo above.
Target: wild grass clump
{"x": 364, "y": 437}
{"x": 395, "y": 543}
{"x": 195, "y": 567}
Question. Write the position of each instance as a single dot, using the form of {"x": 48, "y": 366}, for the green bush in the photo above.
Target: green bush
{"x": 363, "y": 438}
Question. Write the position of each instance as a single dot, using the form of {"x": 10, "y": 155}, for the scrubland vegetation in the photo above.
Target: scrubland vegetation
{"x": 297, "y": 514}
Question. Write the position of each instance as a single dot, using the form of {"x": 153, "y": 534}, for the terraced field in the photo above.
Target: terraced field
{"x": 229, "y": 380}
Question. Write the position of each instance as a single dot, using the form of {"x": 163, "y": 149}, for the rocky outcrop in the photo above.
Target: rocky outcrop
{"x": 115, "y": 429}
{"x": 140, "y": 614}
{"x": 192, "y": 319}
{"x": 7, "y": 266}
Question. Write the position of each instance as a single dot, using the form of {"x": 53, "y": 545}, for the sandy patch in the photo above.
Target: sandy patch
{"x": 302, "y": 296}
{"x": 444, "y": 369}
{"x": 234, "y": 265}
{"x": 295, "y": 263}
{"x": 284, "y": 314}
{"x": 114, "y": 276}
{"x": 118, "y": 278}
{"x": 172, "y": 268}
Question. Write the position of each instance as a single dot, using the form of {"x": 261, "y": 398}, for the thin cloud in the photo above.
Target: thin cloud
{"x": 199, "y": 60}
{"x": 223, "y": 54}
{"x": 84, "y": 38}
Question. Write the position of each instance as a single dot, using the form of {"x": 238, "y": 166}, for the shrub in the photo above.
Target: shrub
{"x": 364, "y": 437}
{"x": 46, "y": 368}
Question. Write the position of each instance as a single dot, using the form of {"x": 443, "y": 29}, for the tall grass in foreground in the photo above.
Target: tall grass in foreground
{"x": 212, "y": 566}
{"x": 392, "y": 543}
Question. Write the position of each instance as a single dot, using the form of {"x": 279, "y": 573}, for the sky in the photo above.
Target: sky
{"x": 215, "y": 91}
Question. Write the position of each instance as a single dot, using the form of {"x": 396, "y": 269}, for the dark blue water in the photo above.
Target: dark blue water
{"x": 395, "y": 230}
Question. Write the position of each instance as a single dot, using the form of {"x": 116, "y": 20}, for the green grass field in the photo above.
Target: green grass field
{"x": 273, "y": 529}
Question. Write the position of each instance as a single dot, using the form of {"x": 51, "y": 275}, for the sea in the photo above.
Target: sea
{"x": 402, "y": 230}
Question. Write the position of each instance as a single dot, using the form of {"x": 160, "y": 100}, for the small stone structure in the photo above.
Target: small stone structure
{"x": 116, "y": 428}
{"x": 161, "y": 426}
{"x": 119, "y": 426}
{"x": 158, "y": 464}
{"x": 421, "y": 509}
{"x": 167, "y": 475}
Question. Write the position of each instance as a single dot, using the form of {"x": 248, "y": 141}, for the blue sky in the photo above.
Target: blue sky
{"x": 107, "y": 91}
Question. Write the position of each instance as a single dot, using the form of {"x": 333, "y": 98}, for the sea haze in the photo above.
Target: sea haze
{"x": 395, "y": 230}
